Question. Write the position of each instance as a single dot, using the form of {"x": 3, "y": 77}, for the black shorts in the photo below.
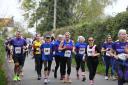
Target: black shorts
{"x": 19, "y": 59}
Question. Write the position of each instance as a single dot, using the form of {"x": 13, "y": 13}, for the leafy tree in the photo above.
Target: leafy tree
{"x": 69, "y": 12}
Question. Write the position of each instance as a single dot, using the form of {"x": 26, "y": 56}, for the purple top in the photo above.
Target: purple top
{"x": 18, "y": 44}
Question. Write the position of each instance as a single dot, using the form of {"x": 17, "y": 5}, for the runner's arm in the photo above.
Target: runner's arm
{"x": 61, "y": 46}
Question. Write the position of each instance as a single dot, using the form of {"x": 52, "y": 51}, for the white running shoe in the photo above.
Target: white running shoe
{"x": 48, "y": 80}
{"x": 45, "y": 81}
{"x": 106, "y": 78}
{"x": 113, "y": 78}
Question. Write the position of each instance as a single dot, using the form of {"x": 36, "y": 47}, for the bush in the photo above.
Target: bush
{"x": 2, "y": 60}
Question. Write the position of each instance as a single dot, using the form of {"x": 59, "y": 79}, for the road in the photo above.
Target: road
{"x": 30, "y": 76}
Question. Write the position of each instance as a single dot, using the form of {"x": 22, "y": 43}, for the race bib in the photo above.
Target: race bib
{"x": 108, "y": 53}
{"x": 81, "y": 50}
{"x": 122, "y": 56}
{"x": 18, "y": 50}
{"x": 46, "y": 51}
{"x": 90, "y": 53}
{"x": 38, "y": 50}
{"x": 67, "y": 53}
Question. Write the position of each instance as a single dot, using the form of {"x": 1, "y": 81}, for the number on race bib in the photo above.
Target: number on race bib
{"x": 122, "y": 56}
{"x": 108, "y": 53}
{"x": 67, "y": 53}
{"x": 90, "y": 53}
{"x": 81, "y": 50}
{"x": 46, "y": 51}
{"x": 17, "y": 50}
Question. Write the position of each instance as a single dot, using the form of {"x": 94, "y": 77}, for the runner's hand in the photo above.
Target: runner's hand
{"x": 116, "y": 57}
{"x": 84, "y": 57}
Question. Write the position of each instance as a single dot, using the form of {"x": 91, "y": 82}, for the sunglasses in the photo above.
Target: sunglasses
{"x": 90, "y": 40}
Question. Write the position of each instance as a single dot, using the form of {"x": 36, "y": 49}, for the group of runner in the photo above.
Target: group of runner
{"x": 46, "y": 49}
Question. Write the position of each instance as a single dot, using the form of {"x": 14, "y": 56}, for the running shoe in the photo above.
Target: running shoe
{"x": 15, "y": 78}
{"x": 45, "y": 81}
{"x": 106, "y": 78}
{"x": 18, "y": 78}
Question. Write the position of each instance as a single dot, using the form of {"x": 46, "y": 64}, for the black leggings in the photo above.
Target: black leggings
{"x": 38, "y": 60}
{"x": 92, "y": 64}
{"x": 47, "y": 65}
{"x": 58, "y": 61}
{"x": 65, "y": 62}
{"x": 80, "y": 64}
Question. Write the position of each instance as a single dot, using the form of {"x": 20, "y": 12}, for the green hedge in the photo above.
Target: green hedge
{"x": 2, "y": 60}
{"x": 98, "y": 29}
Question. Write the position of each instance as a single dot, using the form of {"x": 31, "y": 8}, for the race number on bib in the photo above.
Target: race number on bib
{"x": 81, "y": 50}
{"x": 46, "y": 51}
{"x": 38, "y": 50}
{"x": 90, "y": 53}
{"x": 17, "y": 50}
{"x": 108, "y": 53}
{"x": 67, "y": 53}
{"x": 122, "y": 56}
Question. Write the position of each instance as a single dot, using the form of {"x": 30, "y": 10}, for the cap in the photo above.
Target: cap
{"x": 60, "y": 35}
{"x": 47, "y": 36}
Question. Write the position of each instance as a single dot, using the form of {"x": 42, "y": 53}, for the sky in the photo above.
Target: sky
{"x": 9, "y": 8}
{"x": 116, "y": 7}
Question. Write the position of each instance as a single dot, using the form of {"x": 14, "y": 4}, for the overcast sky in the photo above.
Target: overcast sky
{"x": 117, "y": 7}
{"x": 9, "y": 8}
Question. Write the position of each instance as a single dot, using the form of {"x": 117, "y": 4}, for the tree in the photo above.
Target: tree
{"x": 69, "y": 12}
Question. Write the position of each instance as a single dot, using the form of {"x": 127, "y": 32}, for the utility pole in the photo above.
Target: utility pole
{"x": 35, "y": 18}
{"x": 127, "y": 8}
{"x": 55, "y": 7}
{"x": 36, "y": 21}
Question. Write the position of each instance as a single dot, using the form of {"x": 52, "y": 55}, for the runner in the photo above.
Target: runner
{"x": 18, "y": 44}
{"x": 80, "y": 56}
{"x": 37, "y": 55}
{"x": 8, "y": 49}
{"x": 66, "y": 46}
{"x": 120, "y": 53}
{"x": 108, "y": 60}
{"x": 58, "y": 55}
{"x": 92, "y": 59}
{"x": 33, "y": 57}
{"x": 47, "y": 57}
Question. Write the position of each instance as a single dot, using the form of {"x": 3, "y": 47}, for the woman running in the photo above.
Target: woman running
{"x": 108, "y": 60}
{"x": 66, "y": 46}
{"x": 47, "y": 56}
{"x": 120, "y": 53}
{"x": 58, "y": 54}
{"x": 37, "y": 55}
{"x": 92, "y": 59}
{"x": 80, "y": 56}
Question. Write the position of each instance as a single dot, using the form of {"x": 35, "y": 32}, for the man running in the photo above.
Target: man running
{"x": 18, "y": 44}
